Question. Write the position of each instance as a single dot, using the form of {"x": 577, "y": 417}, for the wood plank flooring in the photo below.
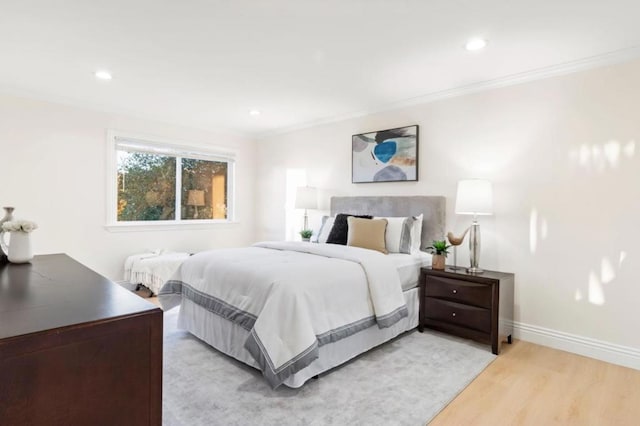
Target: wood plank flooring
{"x": 529, "y": 384}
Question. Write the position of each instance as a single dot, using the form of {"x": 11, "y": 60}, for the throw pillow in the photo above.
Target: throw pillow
{"x": 338, "y": 234}
{"x": 416, "y": 234}
{"x": 367, "y": 233}
{"x": 398, "y": 237}
{"x": 325, "y": 229}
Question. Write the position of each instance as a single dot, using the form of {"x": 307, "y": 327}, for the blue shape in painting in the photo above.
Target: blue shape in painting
{"x": 385, "y": 151}
{"x": 390, "y": 174}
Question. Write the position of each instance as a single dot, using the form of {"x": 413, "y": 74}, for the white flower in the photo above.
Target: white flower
{"x": 28, "y": 226}
{"x": 19, "y": 226}
{"x": 9, "y": 226}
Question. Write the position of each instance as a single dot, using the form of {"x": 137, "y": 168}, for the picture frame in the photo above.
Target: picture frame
{"x": 389, "y": 155}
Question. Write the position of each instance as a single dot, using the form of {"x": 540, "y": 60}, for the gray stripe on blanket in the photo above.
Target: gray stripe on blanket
{"x": 171, "y": 287}
{"x": 392, "y": 317}
{"x": 219, "y": 307}
{"x": 345, "y": 331}
{"x": 274, "y": 376}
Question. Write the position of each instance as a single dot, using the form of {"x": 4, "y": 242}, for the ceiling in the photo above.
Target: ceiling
{"x": 207, "y": 63}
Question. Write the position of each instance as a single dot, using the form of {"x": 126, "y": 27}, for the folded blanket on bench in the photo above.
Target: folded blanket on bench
{"x": 152, "y": 269}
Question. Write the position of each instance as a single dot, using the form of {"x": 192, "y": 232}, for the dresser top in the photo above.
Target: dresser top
{"x": 56, "y": 291}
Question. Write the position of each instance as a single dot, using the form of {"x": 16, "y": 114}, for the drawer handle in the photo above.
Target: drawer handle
{"x": 455, "y": 291}
{"x": 453, "y": 314}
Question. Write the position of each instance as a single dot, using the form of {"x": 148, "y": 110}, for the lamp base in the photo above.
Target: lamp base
{"x": 474, "y": 248}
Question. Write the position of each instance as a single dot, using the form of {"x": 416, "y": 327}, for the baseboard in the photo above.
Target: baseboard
{"x": 598, "y": 349}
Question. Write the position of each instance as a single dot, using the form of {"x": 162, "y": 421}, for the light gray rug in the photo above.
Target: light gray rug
{"x": 404, "y": 382}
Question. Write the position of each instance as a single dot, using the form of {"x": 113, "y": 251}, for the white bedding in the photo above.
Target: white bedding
{"x": 229, "y": 338}
{"x": 408, "y": 267}
{"x": 292, "y": 297}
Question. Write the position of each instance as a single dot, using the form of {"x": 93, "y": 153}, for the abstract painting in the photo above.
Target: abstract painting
{"x": 385, "y": 156}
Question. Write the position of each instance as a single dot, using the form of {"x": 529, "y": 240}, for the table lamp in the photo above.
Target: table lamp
{"x": 306, "y": 198}
{"x": 474, "y": 197}
{"x": 195, "y": 198}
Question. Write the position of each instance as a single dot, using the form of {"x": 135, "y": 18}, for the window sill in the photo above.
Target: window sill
{"x": 168, "y": 226}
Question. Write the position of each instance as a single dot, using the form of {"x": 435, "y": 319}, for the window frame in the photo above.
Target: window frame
{"x": 161, "y": 146}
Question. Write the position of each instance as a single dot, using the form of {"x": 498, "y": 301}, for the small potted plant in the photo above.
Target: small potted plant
{"x": 439, "y": 251}
{"x": 306, "y": 234}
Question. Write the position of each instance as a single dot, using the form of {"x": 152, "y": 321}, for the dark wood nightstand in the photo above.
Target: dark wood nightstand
{"x": 475, "y": 306}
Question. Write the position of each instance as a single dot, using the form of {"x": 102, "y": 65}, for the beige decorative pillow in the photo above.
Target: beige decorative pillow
{"x": 367, "y": 233}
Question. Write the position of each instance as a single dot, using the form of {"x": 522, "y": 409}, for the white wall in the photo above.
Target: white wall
{"x": 53, "y": 170}
{"x": 564, "y": 157}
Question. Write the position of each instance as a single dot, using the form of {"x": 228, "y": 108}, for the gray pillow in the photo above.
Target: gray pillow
{"x": 398, "y": 238}
{"x": 325, "y": 229}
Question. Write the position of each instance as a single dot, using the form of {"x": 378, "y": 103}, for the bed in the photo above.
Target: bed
{"x": 320, "y": 305}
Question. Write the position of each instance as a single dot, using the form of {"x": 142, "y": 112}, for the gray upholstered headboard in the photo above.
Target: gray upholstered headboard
{"x": 433, "y": 208}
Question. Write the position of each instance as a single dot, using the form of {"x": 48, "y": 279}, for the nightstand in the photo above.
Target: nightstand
{"x": 474, "y": 306}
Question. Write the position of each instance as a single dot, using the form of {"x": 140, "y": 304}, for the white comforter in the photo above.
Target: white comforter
{"x": 292, "y": 297}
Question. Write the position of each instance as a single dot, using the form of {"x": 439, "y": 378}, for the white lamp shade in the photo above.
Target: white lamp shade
{"x": 474, "y": 196}
{"x": 306, "y": 198}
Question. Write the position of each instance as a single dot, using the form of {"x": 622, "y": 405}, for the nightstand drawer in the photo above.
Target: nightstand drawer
{"x": 459, "y": 291}
{"x": 455, "y": 313}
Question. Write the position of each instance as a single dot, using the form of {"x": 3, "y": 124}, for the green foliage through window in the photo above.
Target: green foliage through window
{"x": 147, "y": 187}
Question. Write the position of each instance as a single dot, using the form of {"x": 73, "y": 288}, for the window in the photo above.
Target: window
{"x": 157, "y": 183}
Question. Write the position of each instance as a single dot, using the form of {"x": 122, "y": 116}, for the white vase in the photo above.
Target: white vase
{"x": 19, "y": 248}
{"x": 8, "y": 216}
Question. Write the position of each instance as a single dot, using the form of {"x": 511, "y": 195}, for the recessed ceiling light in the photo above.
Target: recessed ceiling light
{"x": 475, "y": 44}
{"x": 103, "y": 75}
{"x": 254, "y": 113}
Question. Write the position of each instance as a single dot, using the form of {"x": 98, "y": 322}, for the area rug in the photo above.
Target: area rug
{"x": 403, "y": 382}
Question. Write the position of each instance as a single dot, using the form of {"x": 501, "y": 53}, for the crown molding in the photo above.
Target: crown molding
{"x": 609, "y": 58}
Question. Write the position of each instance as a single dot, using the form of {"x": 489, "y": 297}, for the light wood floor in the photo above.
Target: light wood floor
{"x": 530, "y": 384}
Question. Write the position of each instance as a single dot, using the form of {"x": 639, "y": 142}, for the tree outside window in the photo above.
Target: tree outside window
{"x": 148, "y": 184}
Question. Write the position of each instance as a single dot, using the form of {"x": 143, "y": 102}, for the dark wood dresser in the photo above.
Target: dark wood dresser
{"x": 75, "y": 348}
{"x": 475, "y": 306}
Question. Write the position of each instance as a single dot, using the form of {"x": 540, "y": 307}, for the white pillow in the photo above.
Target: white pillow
{"x": 325, "y": 229}
{"x": 398, "y": 237}
{"x": 416, "y": 234}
